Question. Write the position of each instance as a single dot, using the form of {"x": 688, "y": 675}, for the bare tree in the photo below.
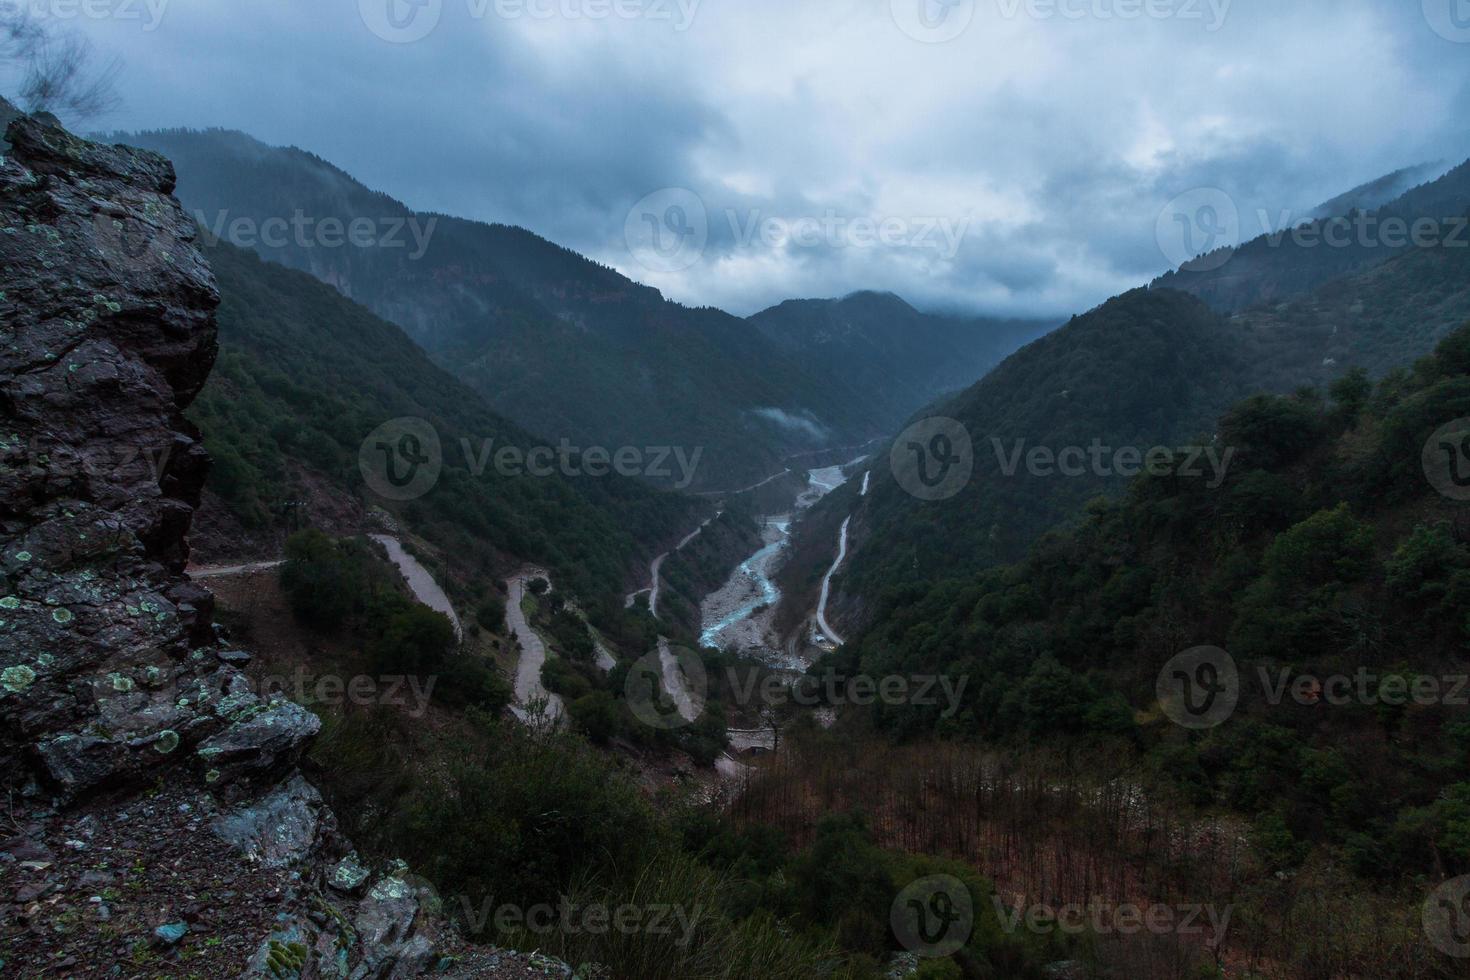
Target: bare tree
{"x": 57, "y": 71}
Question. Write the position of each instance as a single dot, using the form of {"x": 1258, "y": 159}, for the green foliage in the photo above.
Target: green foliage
{"x": 1316, "y": 557}
{"x": 596, "y": 715}
{"x": 1328, "y": 548}
{"x": 323, "y": 581}
{"x": 305, "y": 375}
{"x": 1157, "y": 368}
{"x": 490, "y": 614}
{"x": 500, "y": 813}
{"x": 844, "y": 882}
{"x": 1351, "y": 392}
{"x": 708, "y": 942}
{"x": 407, "y": 638}
{"x": 551, "y": 339}
{"x": 1145, "y": 369}
{"x": 1272, "y": 430}
{"x": 342, "y": 586}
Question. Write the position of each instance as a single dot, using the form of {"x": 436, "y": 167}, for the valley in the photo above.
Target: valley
{"x": 740, "y": 615}
{"x": 499, "y": 494}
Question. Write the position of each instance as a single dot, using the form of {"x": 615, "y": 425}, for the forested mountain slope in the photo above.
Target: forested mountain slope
{"x": 569, "y": 348}
{"x": 1338, "y": 544}
{"x": 1376, "y": 193}
{"x": 1146, "y": 368}
{"x": 1149, "y": 368}
{"x": 305, "y": 376}
{"x": 1296, "y": 260}
{"x": 899, "y": 357}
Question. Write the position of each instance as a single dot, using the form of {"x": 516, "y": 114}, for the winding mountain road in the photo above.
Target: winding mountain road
{"x": 420, "y": 582}
{"x": 745, "y": 739}
{"x": 528, "y": 687}
{"x": 676, "y": 683}
{"x": 657, "y": 564}
{"x": 753, "y": 486}
{"x": 827, "y": 586}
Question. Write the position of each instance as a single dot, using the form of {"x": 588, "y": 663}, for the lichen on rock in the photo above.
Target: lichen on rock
{"x": 111, "y": 676}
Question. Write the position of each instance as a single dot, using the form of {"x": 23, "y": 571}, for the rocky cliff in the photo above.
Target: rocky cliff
{"x": 156, "y": 824}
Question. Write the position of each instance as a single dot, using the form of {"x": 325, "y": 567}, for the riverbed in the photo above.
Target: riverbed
{"x": 741, "y": 613}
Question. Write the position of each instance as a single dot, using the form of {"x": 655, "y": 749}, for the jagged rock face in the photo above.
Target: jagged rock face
{"x": 7, "y": 113}
{"x": 110, "y": 672}
{"x": 108, "y": 665}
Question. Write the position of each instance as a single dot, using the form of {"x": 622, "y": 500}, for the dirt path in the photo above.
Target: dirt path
{"x": 753, "y": 486}
{"x": 528, "y": 684}
{"x": 677, "y": 684}
{"x": 222, "y": 571}
{"x": 657, "y": 564}
{"x": 420, "y": 582}
{"x": 653, "y": 569}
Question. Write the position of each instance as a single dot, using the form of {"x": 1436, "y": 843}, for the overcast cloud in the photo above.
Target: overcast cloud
{"x": 816, "y": 147}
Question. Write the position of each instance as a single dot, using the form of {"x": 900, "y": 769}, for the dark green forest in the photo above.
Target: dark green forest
{"x": 1325, "y": 552}
{"x": 554, "y": 341}
{"x": 304, "y": 375}
{"x": 1153, "y": 367}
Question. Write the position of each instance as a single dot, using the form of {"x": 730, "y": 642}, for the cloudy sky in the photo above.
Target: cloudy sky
{"x": 1019, "y": 156}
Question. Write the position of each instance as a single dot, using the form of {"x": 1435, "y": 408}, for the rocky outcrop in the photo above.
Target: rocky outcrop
{"x": 156, "y": 816}
{"x": 155, "y": 811}
{"x": 7, "y": 113}
{"x": 106, "y": 334}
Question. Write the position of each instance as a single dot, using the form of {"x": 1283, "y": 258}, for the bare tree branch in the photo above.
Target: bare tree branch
{"x": 57, "y": 70}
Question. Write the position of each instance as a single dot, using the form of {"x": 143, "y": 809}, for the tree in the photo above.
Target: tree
{"x": 1351, "y": 392}
{"x": 324, "y": 581}
{"x": 491, "y": 614}
{"x": 408, "y": 638}
{"x": 1330, "y": 546}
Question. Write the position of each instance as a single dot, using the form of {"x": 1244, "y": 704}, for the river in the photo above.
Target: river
{"x": 741, "y": 612}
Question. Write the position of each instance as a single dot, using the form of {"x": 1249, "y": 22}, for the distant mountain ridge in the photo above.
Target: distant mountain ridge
{"x": 891, "y": 351}
{"x": 1376, "y": 193}
{"x": 305, "y": 375}
{"x": 562, "y": 345}
{"x": 1153, "y": 367}
{"x": 1276, "y": 267}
